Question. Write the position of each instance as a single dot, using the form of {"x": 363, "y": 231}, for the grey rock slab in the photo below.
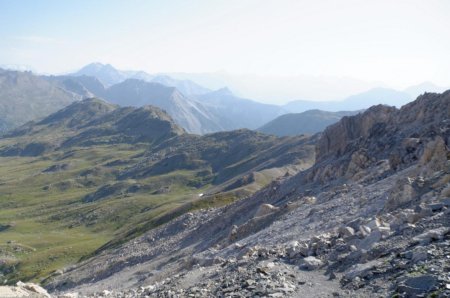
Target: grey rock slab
{"x": 434, "y": 234}
{"x": 370, "y": 240}
{"x": 414, "y": 286}
{"x": 362, "y": 270}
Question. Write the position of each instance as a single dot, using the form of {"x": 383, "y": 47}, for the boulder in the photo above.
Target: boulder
{"x": 420, "y": 182}
{"x": 374, "y": 223}
{"x": 435, "y": 207}
{"x": 13, "y": 292}
{"x": 355, "y": 223}
{"x": 365, "y": 230}
{"x": 385, "y": 231}
{"x": 69, "y": 295}
{"x": 34, "y": 288}
{"x": 362, "y": 270}
{"x": 23, "y": 290}
{"x": 370, "y": 240}
{"x": 266, "y": 209}
{"x": 418, "y": 285}
{"x": 311, "y": 263}
{"x": 310, "y": 200}
{"x": 434, "y": 234}
{"x": 292, "y": 249}
{"x": 295, "y": 249}
{"x": 345, "y": 232}
{"x": 320, "y": 244}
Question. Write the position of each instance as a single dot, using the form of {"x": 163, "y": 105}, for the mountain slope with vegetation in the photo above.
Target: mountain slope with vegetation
{"x": 93, "y": 175}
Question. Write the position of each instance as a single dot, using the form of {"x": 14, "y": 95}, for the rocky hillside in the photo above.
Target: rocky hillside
{"x": 25, "y": 96}
{"x": 308, "y": 122}
{"x": 83, "y": 86}
{"x": 371, "y": 218}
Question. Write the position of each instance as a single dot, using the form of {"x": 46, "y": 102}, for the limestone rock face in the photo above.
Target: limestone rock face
{"x": 336, "y": 138}
{"x": 434, "y": 157}
{"x": 400, "y": 194}
{"x": 419, "y": 131}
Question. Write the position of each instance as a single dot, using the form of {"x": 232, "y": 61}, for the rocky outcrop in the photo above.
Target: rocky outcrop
{"x": 22, "y": 290}
{"x": 336, "y": 138}
{"x": 417, "y": 131}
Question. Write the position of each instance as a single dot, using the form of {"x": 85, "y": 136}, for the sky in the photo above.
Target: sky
{"x": 397, "y": 43}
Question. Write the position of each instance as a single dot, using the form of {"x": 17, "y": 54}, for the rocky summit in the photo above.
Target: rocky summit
{"x": 371, "y": 218}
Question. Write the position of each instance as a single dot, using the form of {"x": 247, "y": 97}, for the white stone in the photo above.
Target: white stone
{"x": 266, "y": 209}
{"x": 346, "y": 231}
{"x": 311, "y": 263}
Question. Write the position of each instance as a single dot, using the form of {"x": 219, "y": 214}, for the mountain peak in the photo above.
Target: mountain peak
{"x": 80, "y": 112}
{"x": 423, "y": 87}
{"x": 98, "y": 65}
{"x": 224, "y": 91}
{"x": 106, "y": 73}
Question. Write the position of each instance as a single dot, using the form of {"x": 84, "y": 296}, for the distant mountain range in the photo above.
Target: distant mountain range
{"x": 195, "y": 108}
{"x": 308, "y": 122}
{"x": 416, "y": 90}
{"x": 359, "y": 101}
{"x": 235, "y": 112}
{"x": 108, "y": 76}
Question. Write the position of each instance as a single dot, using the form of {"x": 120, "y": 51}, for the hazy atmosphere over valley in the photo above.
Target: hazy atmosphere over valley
{"x": 248, "y": 148}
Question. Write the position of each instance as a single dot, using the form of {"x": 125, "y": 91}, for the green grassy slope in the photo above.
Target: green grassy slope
{"x": 48, "y": 226}
{"x": 90, "y": 191}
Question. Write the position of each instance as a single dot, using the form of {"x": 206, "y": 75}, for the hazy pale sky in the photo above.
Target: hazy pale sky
{"x": 399, "y": 42}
